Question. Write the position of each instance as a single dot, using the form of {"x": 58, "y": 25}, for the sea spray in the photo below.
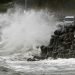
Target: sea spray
{"x": 23, "y": 31}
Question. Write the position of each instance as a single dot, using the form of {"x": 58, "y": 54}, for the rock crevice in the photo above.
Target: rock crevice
{"x": 62, "y": 43}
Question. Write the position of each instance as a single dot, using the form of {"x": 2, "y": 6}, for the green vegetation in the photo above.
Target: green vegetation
{"x": 50, "y": 4}
{"x": 54, "y": 4}
{"x": 4, "y": 7}
{"x": 5, "y": 4}
{"x": 5, "y": 1}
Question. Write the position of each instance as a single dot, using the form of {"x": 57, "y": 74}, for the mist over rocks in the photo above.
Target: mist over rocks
{"x": 62, "y": 44}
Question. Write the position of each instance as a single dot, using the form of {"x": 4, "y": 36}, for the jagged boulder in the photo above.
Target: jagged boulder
{"x": 62, "y": 43}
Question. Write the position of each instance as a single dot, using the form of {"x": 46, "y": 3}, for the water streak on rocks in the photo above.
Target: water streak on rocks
{"x": 62, "y": 43}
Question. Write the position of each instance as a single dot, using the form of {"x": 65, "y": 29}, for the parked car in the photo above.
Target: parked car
{"x": 69, "y": 20}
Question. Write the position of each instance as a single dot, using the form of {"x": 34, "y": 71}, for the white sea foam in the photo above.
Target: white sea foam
{"x": 22, "y": 32}
{"x": 44, "y": 66}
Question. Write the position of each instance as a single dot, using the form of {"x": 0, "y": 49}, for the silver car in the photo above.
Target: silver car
{"x": 69, "y": 20}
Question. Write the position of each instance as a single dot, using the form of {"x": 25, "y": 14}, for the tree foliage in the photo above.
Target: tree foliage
{"x": 5, "y": 1}
{"x": 54, "y": 4}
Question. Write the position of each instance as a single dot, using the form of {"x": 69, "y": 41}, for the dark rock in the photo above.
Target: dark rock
{"x": 31, "y": 59}
{"x": 44, "y": 51}
{"x": 39, "y": 57}
{"x": 62, "y": 44}
{"x": 58, "y": 32}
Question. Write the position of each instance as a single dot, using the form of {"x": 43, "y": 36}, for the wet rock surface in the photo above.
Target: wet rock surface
{"x": 62, "y": 43}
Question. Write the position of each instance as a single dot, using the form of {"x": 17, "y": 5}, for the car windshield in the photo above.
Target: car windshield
{"x": 69, "y": 19}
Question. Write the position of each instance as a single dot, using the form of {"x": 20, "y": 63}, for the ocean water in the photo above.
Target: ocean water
{"x": 42, "y": 67}
{"x": 21, "y": 32}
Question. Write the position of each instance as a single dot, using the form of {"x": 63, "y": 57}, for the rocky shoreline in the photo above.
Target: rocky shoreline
{"x": 62, "y": 44}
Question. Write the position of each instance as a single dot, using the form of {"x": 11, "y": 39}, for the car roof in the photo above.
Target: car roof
{"x": 69, "y": 17}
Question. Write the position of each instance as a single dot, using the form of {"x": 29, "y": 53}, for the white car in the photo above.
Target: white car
{"x": 69, "y": 20}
